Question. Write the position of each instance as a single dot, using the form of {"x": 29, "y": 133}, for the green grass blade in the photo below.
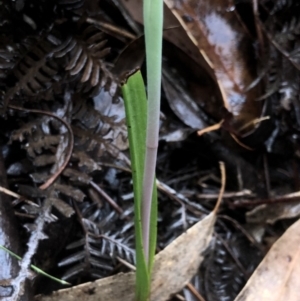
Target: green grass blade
{"x": 35, "y": 268}
{"x": 136, "y": 119}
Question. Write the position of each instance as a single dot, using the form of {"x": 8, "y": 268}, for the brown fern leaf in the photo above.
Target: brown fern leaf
{"x": 87, "y": 52}
{"x": 23, "y": 131}
{"x": 36, "y": 71}
{"x": 99, "y": 128}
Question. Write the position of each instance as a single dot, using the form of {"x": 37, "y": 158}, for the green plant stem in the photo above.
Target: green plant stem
{"x": 153, "y": 23}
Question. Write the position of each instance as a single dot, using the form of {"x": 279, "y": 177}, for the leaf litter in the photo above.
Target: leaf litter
{"x": 180, "y": 258}
{"x": 173, "y": 267}
{"x": 277, "y": 276}
{"x": 41, "y": 69}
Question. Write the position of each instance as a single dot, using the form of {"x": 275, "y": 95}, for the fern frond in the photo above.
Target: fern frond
{"x": 37, "y": 70}
{"x": 279, "y": 5}
{"x": 86, "y": 53}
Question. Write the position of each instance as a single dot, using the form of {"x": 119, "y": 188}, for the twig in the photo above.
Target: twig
{"x": 52, "y": 179}
{"x": 188, "y": 174}
{"x": 211, "y": 128}
{"x": 236, "y": 260}
{"x": 223, "y": 183}
{"x": 126, "y": 263}
{"x": 179, "y": 297}
{"x": 115, "y": 166}
{"x": 173, "y": 194}
{"x": 195, "y": 292}
{"x": 238, "y": 226}
{"x": 22, "y": 199}
{"x": 17, "y": 196}
{"x": 226, "y": 195}
{"x": 111, "y": 28}
{"x": 291, "y": 197}
{"x": 25, "y": 215}
{"x": 107, "y": 197}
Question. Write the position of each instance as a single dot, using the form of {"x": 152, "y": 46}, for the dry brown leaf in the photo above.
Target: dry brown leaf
{"x": 277, "y": 208}
{"x": 271, "y": 213}
{"x": 277, "y": 277}
{"x": 173, "y": 269}
{"x": 214, "y": 28}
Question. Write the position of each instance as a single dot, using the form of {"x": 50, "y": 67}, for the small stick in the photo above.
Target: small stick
{"x": 180, "y": 198}
{"x": 111, "y": 28}
{"x": 211, "y": 128}
{"x": 195, "y": 292}
{"x": 226, "y": 195}
{"x": 126, "y": 263}
{"x": 233, "y": 256}
{"x": 291, "y": 197}
{"x": 17, "y": 196}
{"x": 107, "y": 197}
{"x": 238, "y": 226}
{"x": 223, "y": 183}
{"x": 179, "y": 297}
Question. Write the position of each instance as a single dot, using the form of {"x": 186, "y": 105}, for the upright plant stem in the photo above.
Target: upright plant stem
{"x": 153, "y": 22}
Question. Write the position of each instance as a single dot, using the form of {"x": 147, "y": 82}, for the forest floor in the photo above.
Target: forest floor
{"x": 230, "y": 93}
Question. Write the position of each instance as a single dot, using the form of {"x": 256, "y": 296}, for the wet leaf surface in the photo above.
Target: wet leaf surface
{"x": 191, "y": 92}
{"x": 227, "y": 51}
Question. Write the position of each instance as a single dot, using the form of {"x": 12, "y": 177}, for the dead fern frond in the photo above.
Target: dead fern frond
{"x": 289, "y": 32}
{"x": 99, "y": 128}
{"x": 37, "y": 70}
{"x": 279, "y": 5}
{"x": 86, "y": 53}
